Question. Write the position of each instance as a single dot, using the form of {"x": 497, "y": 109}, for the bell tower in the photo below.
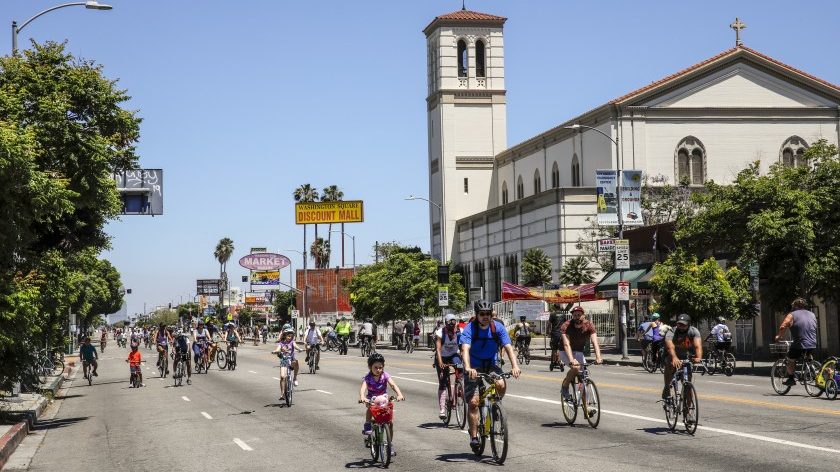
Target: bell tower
{"x": 467, "y": 122}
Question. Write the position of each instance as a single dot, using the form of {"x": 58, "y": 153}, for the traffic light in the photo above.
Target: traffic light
{"x": 128, "y": 291}
{"x": 244, "y": 278}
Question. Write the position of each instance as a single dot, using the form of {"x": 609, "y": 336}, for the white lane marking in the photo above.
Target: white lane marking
{"x": 206, "y": 415}
{"x": 415, "y": 380}
{"x": 251, "y": 371}
{"x": 276, "y": 378}
{"x": 730, "y": 383}
{"x": 242, "y": 444}
{"x": 704, "y": 428}
{"x": 618, "y": 373}
{"x": 324, "y": 391}
{"x": 185, "y": 399}
{"x": 416, "y": 373}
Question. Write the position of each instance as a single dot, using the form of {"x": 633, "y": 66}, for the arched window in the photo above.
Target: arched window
{"x": 537, "y": 182}
{"x": 575, "y": 171}
{"x": 691, "y": 161}
{"x": 793, "y": 152}
{"x": 480, "y": 70}
{"x": 462, "y": 58}
{"x": 504, "y": 193}
{"x": 555, "y": 176}
{"x": 520, "y": 189}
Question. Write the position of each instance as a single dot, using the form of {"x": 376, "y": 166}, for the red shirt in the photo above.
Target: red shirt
{"x": 134, "y": 358}
{"x": 577, "y": 336}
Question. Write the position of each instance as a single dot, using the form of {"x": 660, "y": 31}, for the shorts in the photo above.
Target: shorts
{"x": 135, "y": 369}
{"x": 286, "y": 361}
{"x": 798, "y": 352}
{"x": 578, "y": 355}
{"x": 723, "y": 345}
{"x": 556, "y": 342}
{"x": 471, "y": 386}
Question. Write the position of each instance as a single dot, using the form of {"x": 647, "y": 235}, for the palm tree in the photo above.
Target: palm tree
{"x": 222, "y": 253}
{"x": 320, "y": 251}
{"x": 334, "y": 194}
{"x": 576, "y": 271}
{"x": 306, "y": 193}
{"x": 536, "y": 268}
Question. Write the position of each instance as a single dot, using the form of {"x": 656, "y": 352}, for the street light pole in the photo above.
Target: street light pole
{"x": 91, "y": 5}
{"x": 621, "y": 304}
{"x": 442, "y": 226}
{"x": 353, "y": 238}
{"x": 305, "y": 278}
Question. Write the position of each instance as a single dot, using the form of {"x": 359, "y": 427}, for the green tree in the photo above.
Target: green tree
{"x": 320, "y": 251}
{"x": 576, "y": 271}
{"x": 536, "y": 268}
{"x": 283, "y": 300}
{"x": 704, "y": 291}
{"x": 587, "y": 244}
{"x": 392, "y": 289}
{"x": 665, "y": 203}
{"x": 185, "y": 310}
{"x": 332, "y": 194}
{"x": 382, "y": 251}
{"x": 224, "y": 249}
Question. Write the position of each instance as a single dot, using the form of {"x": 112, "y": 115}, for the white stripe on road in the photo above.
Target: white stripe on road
{"x": 414, "y": 380}
{"x": 251, "y": 371}
{"x": 705, "y": 428}
{"x": 204, "y": 414}
{"x": 185, "y": 399}
{"x": 730, "y": 383}
{"x": 242, "y": 444}
{"x": 416, "y": 373}
{"x": 618, "y": 373}
{"x": 324, "y": 391}
{"x": 276, "y": 378}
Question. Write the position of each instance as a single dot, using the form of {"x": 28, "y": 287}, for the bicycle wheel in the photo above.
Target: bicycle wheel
{"x": 482, "y": 432}
{"x": 161, "y": 366}
{"x": 711, "y": 362}
{"x": 460, "y": 404}
{"x": 831, "y": 389}
{"x": 290, "y": 390}
{"x": 221, "y": 359}
{"x": 570, "y": 406}
{"x": 520, "y": 356}
{"x": 809, "y": 377}
{"x": 232, "y": 360}
{"x": 671, "y": 411}
{"x": 385, "y": 447}
{"x": 778, "y": 375}
{"x": 729, "y": 366}
{"x": 311, "y": 362}
{"x": 90, "y": 376}
{"x": 450, "y": 402}
{"x": 178, "y": 373}
{"x": 498, "y": 433}
{"x": 527, "y": 358}
{"x": 690, "y": 408}
{"x": 58, "y": 365}
{"x": 591, "y": 403}
{"x": 373, "y": 442}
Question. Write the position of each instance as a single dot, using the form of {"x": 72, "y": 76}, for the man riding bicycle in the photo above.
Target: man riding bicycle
{"x": 803, "y": 332}
{"x": 679, "y": 341}
{"x": 89, "y": 356}
{"x": 342, "y": 330}
{"x": 522, "y": 331}
{"x": 652, "y": 336}
{"x": 181, "y": 352}
{"x": 574, "y": 334}
{"x": 366, "y": 334}
{"x": 480, "y": 343}
{"x": 721, "y": 334}
{"x": 312, "y": 340}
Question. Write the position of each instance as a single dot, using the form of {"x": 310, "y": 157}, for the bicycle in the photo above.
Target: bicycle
{"x": 314, "y": 357}
{"x": 584, "y": 395}
{"x": 342, "y": 345}
{"x": 492, "y": 420}
{"x": 380, "y": 441}
{"x": 558, "y": 364}
{"x": 203, "y": 363}
{"x": 179, "y": 368}
{"x": 455, "y": 396}
{"x": 231, "y": 357}
{"x": 719, "y": 359}
{"x": 331, "y": 344}
{"x": 289, "y": 384}
{"x": 364, "y": 345}
{"x": 805, "y": 371}
{"x": 220, "y": 357}
{"x": 46, "y": 364}
{"x": 162, "y": 364}
{"x": 88, "y": 375}
{"x": 682, "y": 400}
{"x": 134, "y": 380}
{"x": 523, "y": 354}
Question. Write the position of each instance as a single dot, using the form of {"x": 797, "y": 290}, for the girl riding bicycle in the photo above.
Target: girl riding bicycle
{"x": 374, "y": 389}
{"x": 285, "y": 349}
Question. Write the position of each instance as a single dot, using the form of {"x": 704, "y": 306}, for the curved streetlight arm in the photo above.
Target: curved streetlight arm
{"x": 412, "y": 197}
{"x": 19, "y": 28}
{"x": 578, "y": 126}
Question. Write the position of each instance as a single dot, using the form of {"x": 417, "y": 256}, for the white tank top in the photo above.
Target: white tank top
{"x": 449, "y": 346}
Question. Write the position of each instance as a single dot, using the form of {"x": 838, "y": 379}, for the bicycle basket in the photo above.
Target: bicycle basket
{"x": 779, "y": 348}
{"x": 382, "y": 414}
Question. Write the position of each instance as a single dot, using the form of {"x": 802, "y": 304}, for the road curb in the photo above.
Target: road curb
{"x": 10, "y": 441}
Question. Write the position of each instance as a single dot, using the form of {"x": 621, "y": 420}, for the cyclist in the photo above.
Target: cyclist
{"x": 375, "y": 390}
{"x": 522, "y": 331}
{"x": 232, "y": 337}
{"x": 480, "y": 342}
{"x": 89, "y": 356}
{"x": 312, "y": 339}
{"x": 447, "y": 353}
{"x": 680, "y": 340}
{"x": 181, "y": 348}
{"x": 555, "y": 320}
{"x": 574, "y": 334}
{"x": 366, "y": 333}
{"x": 721, "y": 334}
{"x": 200, "y": 339}
{"x": 803, "y": 332}
{"x": 134, "y": 360}
{"x": 642, "y": 335}
{"x": 656, "y": 334}
{"x": 342, "y": 330}
{"x": 163, "y": 339}
{"x": 286, "y": 347}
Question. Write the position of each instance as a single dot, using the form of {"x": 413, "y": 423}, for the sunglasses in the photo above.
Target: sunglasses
{"x": 485, "y": 314}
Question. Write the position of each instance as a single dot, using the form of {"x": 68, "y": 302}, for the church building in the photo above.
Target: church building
{"x": 706, "y": 122}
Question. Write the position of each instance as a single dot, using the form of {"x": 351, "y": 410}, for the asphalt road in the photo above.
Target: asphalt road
{"x": 230, "y": 420}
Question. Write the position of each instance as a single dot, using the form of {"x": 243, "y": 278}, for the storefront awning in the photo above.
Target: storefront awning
{"x": 610, "y": 281}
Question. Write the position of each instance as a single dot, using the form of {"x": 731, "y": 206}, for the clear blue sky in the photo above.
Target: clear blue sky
{"x": 242, "y": 101}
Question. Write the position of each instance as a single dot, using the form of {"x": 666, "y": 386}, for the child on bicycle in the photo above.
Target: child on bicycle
{"x": 134, "y": 360}
{"x": 375, "y": 389}
{"x": 285, "y": 349}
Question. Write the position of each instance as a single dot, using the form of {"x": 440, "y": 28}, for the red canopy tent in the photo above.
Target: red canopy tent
{"x": 573, "y": 294}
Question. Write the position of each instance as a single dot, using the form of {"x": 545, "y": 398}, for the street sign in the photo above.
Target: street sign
{"x": 606, "y": 245}
{"x": 208, "y": 286}
{"x": 624, "y": 291}
{"x": 443, "y": 274}
{"x": 622, "y": 254}
{"x": 443, "y": 296}
{"x": 295, "y": 313}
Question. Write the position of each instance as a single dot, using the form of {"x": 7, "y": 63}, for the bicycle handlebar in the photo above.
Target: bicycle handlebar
{"x": 494, "y": 376}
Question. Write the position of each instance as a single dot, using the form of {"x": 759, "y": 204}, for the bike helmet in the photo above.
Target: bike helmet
{"x": 577, "y": 309}
{"x": 288, "y": 330}
{"x": 721, "y": 319}
{"x": 684, "y": 319}
{"x": 374, "y": 358}
{"x": 483, "y": 305}
{"x": 449, "y": 317}
{"x": 522, "y": 318}
{"x": 654, "y": 316}
{"x": 287, "y": 326}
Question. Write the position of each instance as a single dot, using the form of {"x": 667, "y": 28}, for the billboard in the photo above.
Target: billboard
{"x": 141, "y": 191}
{"x": 605, "y": 187}
{"x": 264, "y": 261}
{"x": 329, "y": 212}
{"x": 208, "y": 286}
{"x": 254, "y": 299}
{"x": 265, "y": 278}
{"x": 631, "y": 198}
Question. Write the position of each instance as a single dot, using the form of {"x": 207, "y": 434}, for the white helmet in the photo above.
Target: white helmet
{"x": 449, "y": 317}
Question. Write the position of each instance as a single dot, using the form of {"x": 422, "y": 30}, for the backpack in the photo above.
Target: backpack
{"x": 496, "y": 337}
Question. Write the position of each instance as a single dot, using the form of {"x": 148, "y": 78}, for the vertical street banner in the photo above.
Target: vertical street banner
{"x": 631, "y": 198}
{"x": 605, "y": 186}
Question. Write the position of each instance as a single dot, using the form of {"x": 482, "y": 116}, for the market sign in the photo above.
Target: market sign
{"x": 329, "y": 212}
{"x": 264, "y": 261}
{"x": 265, "y": 277}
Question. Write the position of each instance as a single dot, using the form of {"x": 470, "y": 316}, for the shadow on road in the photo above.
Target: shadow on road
{"x": 58, "y": 423}
{"x": 662, "y": 431}
{"x": 463, "y": 457}
{"x": 557, "y": 424}
{"x": 437, "y": 425}
{"x": 95, "y": 383}
{"x": 65, "y": 397}
{"x": 362, "y": 464}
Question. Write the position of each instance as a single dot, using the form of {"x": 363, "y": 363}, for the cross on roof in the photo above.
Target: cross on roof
{"x": 738, "y": 26}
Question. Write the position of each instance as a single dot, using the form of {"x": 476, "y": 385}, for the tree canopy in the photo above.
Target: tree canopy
{"x": 536, "y": 268}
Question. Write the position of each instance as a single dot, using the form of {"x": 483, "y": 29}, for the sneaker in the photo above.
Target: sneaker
{"x": 189, "y": 382}
{"x": 142, "y": 385}
{"x": 366, "y": 430}
{"x": 789, "y": 382}
{"x": 666, "y": 393}
{"x": 296, "y": 383}
{"x": 474, "y": 444}
{"x": 95, "y": 374}
{"x": 317, "y": 367}
{"x": 393, "y": 451}
{"x": 442, "y": 414}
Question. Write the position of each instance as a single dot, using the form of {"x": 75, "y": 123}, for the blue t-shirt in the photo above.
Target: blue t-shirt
{"x": 483, "y": 347}
{"x": 642, "y": 328}
{"x": 88, "y": 352}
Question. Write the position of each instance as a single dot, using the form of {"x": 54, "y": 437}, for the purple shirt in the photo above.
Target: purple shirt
{"x": 377, "y": 387}
{"x": 287, "y": 349}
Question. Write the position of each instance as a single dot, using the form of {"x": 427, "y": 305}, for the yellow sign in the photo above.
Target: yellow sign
{"x": 329, "y": 212}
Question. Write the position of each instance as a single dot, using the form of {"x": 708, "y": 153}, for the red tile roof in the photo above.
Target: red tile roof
{"x": 465, "y": 16}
